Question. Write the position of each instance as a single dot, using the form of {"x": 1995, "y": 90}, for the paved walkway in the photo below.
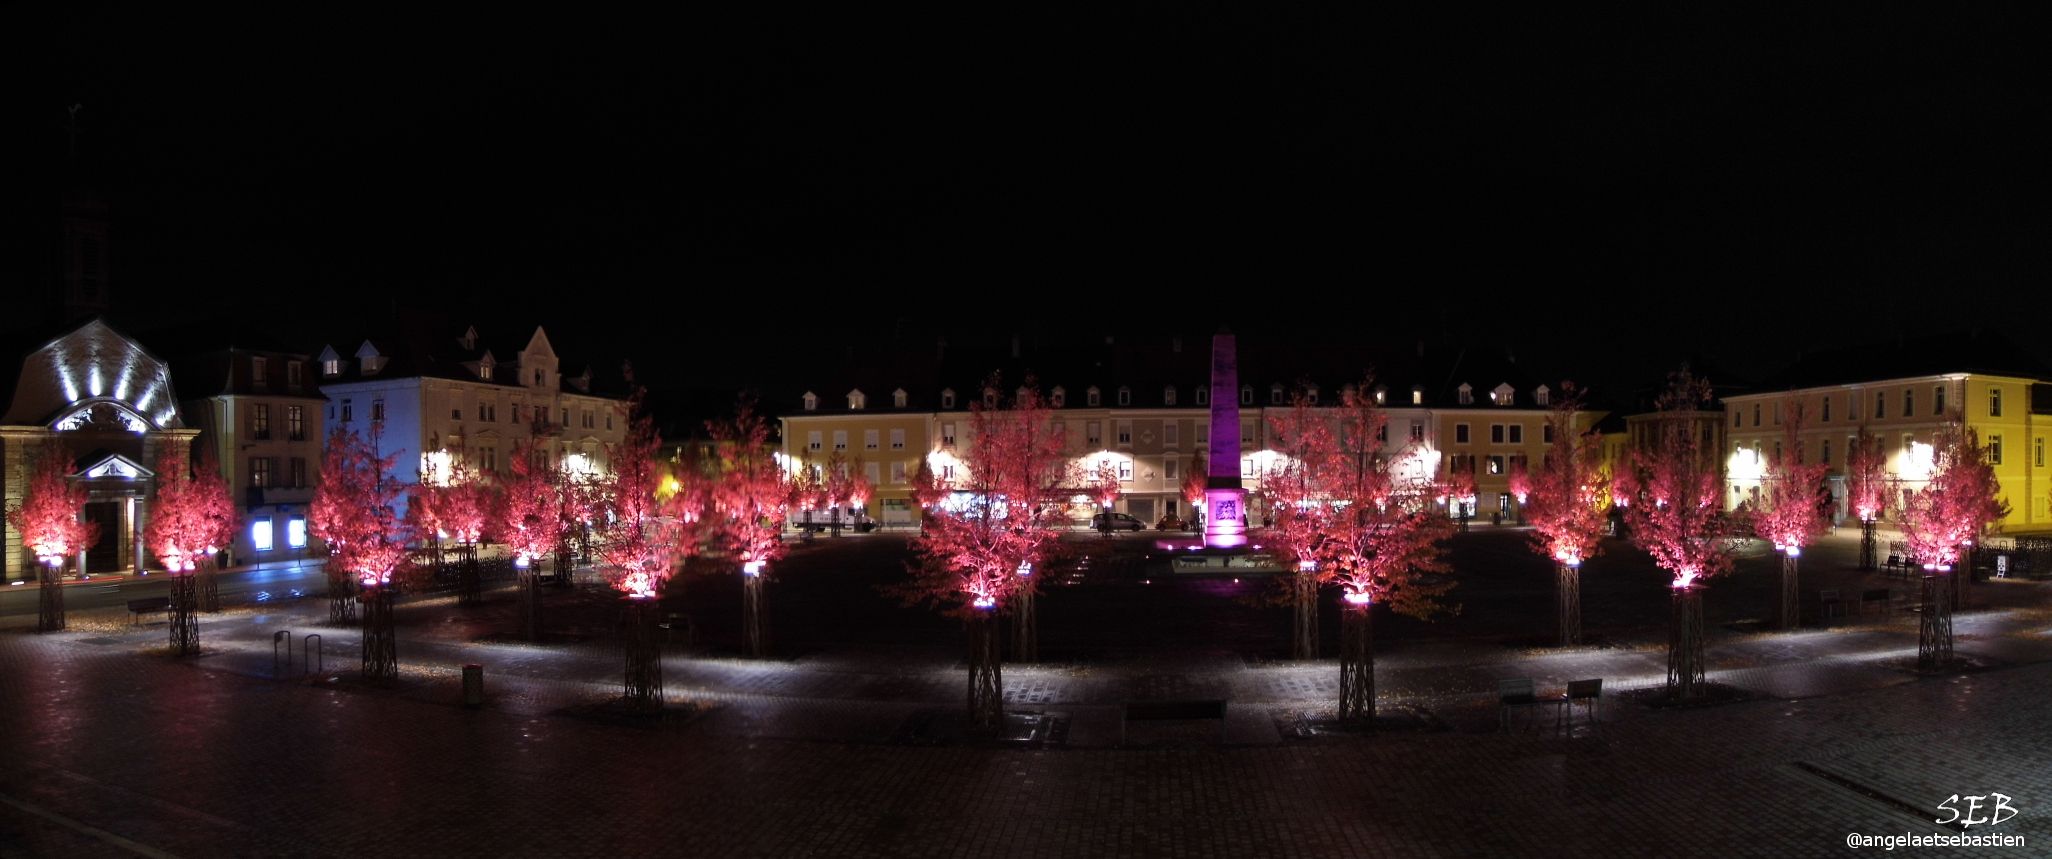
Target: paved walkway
{"x": 116, "y": 751}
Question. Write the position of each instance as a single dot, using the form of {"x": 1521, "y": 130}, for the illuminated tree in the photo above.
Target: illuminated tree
{"x": 751, "y": 495}
{"x": 1295, "y": 490}
{"x": 48, "y": 518}
{"x": 465, "y": 508}
{"x": 1674, "y": 518}
{"x": 1104, "y": 489}
{"x": 1384, "y": 546}
{"x": 179, "y": 532}
{"x": 353, "y": 512}
{"x": 860, "y": 493}
{"x": 642, "y": 543}
{"x": 1940, "y": 523}
{"x": 1195, "y": 479}
{"x": 807, "y": 492}
{"x": 529, "y": 514}
{"x": 1788, "y": 515}
{"x": 836, "y": 487}
{"x": 1868, "y": 489}
{"x": 927, "y": 490}
{"x": 1460, "y": 490}
{"x": 976, "y": 558}
{"x": 1565, "y": 503}
{"x": 1519, "y": 483}
{"x": 218, "y": 511}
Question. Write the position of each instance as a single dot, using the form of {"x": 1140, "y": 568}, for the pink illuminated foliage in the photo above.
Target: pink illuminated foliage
{"x": 750, "y": 493}
{"x": 1961, "y": 499}
{"x": 530, "y": 507}
{"x": 217, "y": 504}
{"x": 1868, "y": 487}
{"x": 179, "y": 529}
{"x": 1385, "y": 543}
{"x": 48, "y": 515}
{"x": 646, "y": 536}
{"x": 927, "y": 489}
{"x": 1564, "y": 500}
{"x": 1296, "y": 488}
{"x": 1674, "y": 508}
{"x": 352, "y": 511}
{"x": 1789, "y": 515}
{"x": 1015, "y": 481}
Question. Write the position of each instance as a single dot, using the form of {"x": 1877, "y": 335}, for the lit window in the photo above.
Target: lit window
{"x": 1417, "y": 396}
{"x": 856, "y": 400}
{"x": 1125, "y": 470}
{"x": 260, "y": 533}
{"x": 898, "y": 398}
{"x": 295, "y": 532}
{"x": 484, "y": 371}
{"x": 332, "y": 367}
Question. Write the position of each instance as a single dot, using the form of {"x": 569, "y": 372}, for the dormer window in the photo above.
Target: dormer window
{"x": 1381, "y": 395}
{"x": 484, "y": 371}
{"x": 260, "y": 371}
{"x": 1059, "y": 397}
{"x": 1275, "y": 395}
{"x": 1203, "y": 395}
{"x": 1093, "y": 397}
{"x": 1125, "y": 395}
{"x": 898, "y": 398}
{"x": 1168, "y": 396}
{"x": 1417, "y": 395}
{"x": 1311, "y": 394}
{"x": 1504, "y": 395}
{"x": 856, "y": 400}
{"x": 811, "y": 401}
{"x": 1465, "y": 395}
{"x": 1542, "y": 396}
{"x": 990, "y": 398}
{"x": 331, "y": 367}
{"x": 1019, "y": 396}
{"x": 294, "y": 374}
{"x": 947, "y": 398}
{"x": 1246, "y": 395}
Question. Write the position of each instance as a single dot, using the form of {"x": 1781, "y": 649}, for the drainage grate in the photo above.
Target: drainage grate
{"x": 1920, "y": 813}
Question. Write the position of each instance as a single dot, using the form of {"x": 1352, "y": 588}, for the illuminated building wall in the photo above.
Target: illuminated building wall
{"x": 263, "y": 414}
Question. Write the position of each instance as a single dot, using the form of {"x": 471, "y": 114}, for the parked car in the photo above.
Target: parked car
{"x": 1169, "y": 523}
{"x": 1119, "y": 522}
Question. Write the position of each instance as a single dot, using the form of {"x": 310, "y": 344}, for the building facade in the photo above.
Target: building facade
{"x": 263, "y": 417}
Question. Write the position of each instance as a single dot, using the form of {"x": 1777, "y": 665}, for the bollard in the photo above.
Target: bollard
{"x": 473, "y": 685}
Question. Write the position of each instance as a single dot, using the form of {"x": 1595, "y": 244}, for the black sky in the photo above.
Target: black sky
{"x": 774, "y": 182}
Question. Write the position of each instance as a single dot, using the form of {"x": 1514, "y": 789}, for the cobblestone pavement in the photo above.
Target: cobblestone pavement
{"x": 114, "y": 749}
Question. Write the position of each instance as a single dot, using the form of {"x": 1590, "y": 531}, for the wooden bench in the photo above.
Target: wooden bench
{"x": 1162, "y": 711}
{"x": 146, "y": 605}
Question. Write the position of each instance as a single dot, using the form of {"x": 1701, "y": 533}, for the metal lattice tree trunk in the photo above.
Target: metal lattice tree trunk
{"x": 1304, "y": 614}
{"x": 1791, "y": 607}
{"x": 1567, "y": 591}
{"x": 1934, "y": 626}
{"x": 50, "y": 606}
{"x": 1867, "y": 560}
{"x": 530, "y": 587}
{"x": 210, "y": 585}
{"x": 380, "y": 640}
{"x": 1357, "y": 662}
{"x": 341, "y": 595}
{"x": 1025, "y": 629}
{"x": 184, "y": 626}
{"x": 986, "y": 673}
{"x": 469, "y": 581}
{"x": 1685, "y": 676}
{"x": 643, "y": 688}
{"x": 566, "y": 567}
{"x": 755, "y": 614}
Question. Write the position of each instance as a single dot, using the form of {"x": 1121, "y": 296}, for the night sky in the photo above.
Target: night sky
{"x": 732, "y": 196}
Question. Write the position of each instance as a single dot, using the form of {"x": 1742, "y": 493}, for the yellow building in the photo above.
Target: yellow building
{"x": 881, "y": 436}
{"x": 2008, "y": 412}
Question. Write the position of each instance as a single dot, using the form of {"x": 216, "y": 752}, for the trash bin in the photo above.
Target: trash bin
{"x": 473, "y": 685}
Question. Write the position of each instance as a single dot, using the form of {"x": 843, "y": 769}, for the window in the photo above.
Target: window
{"x": 1382, "y": 433}
{"x": 1738, "y": 418}
{"x": 456, "y": 413}
{"x": 948, "y": 472}
{"x": 260, "y": 372}
{"x": 1275, "y": 395}
{"x": 811, "y": 403}
{"x": 295, "y": 532}
{"x": 812, "y": 440}
{"x": 872, "y": 472}
{"x": 537, "y": 376}
{"x": 1880, "y": 406}
{"x": 1994, "y": 402}
{"x": 1825, "y": 417}
{"x": 1496, "y": 433}
{"x": 260, "y": 421}
{"x": 948, "y": 398}
{"x": 294, "y": 373}
{"x": 1496, "y": 465}
{"x": 588, "y": 422}
{"x": 1168, "y": 468}
{"x": 345, "y": 411}
{"x": 2038, "y": 451}
{"x": 331, "y": 367}
{"x": 870, "y": 439}
{"x": 840, "y": 439}
{"x": 1171, "y": 434}
{"x": 897, "y": 439}
{"x": 260, "y": 533}
{"x": 1125, "y": 395}
{"x": 609, "y": 420}
{"x": 898, "y": 398}
{"x": 1059, "y": 398}
{"x": 1246, "y": 395}
{"x": 856, "y": 400}
{"x": 1203, "y": 432}
{"x": 491, "y": 460}
{"x": 1417, "y": 396}
{"x": 1460, "y": 433}
{"x": 298, "y": 472}
{"x": 1418, "y": 431}
{"x": 1546, "y": 434}
{"x": 1125, "y": 432}
{"x": 565, "y": 414}
{"x": 259, "y": 472}
{"x": 1542, "y": 396}
{"x": 484, "y": 371}
{"x": 1938, "y": 401}
{"x": 1466, "y": 395}
{"x": 513, "y": 415}
{"x": 295, "y": 423}
{"x": 1168, "y": 396}
{"x": 898, "y": 472}
{"x": 1203, "y": 395}
{"x": 377, "y": 410}
{"x": 1517, "y": 433}
{"x": 1311, "y": 394}
{"x": 1909, "y": 403}
{"x": 1995, "y": 450}
{"x": 947, "y": 435}
{"x": 1093, "y": 397}
{"x": 990, "y": 398}
{"x": 1125, "y": 471}
{"x": 1824, "y": 452}
{"x": 1756, "y": 414}
{"x": 1247, "y": 467}
{"x": 1093, "y": 434}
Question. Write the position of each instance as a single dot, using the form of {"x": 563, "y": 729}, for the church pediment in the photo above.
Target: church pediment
{"x": 102, "y": 416}
{"x": 113, "y": 466}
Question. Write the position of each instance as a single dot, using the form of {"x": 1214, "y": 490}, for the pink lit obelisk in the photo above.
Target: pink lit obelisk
{"x": 1225, "y": 500}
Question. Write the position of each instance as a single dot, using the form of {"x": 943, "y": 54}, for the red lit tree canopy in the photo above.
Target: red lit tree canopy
{"x": 1961, "y": 498}
{"x": 1788, "y": 515}
{"x": 1564, "y": 498}
{"x": 1015, "y": 481}
{"x": 1868, "y": 487}
{"x": 750, "y": 492}
{"x": 48, "y": 516}
{"x": 179, "y": 529}
{"x": 1674, "y": 510}
{"x": 352, "y": 511}
{"x": 644, "y": 537}
{"x": 1385, "y": 539}
{"x": 530, "y": 507}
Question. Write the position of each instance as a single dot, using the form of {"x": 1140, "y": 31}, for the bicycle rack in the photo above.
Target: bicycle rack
{"x": 312, "y": 644}
{"x": 283, "y": 636}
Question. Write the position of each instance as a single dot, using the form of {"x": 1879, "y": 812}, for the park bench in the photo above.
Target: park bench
{"x": 1162, "y": 711}
{"x": 1514, "y": 694}
{"x": 146, "y": 605}
{"x": 1590, "y": 694}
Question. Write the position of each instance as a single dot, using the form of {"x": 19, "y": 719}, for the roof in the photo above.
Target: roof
{"x": 1979, "y": 352}
{"x": 92, "y": 360}
{"x": 456, "y": 352}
